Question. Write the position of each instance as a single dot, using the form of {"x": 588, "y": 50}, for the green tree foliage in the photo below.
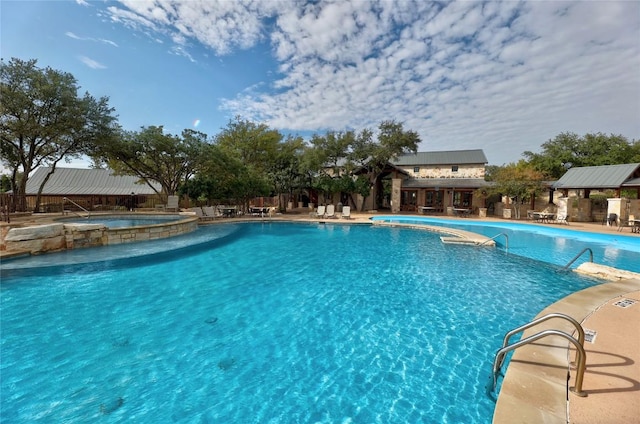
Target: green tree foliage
{"x": 373, "y": 157}
{"x": 270, "y": 164}
{"x": 224, "y": 178}
{"x": 571, "y": 150}
{"x": 5, "y": 183}
{"x": 43, "y": 121}
{"x": 287, "y": 173}
{"x": 326, "y": 160}
{"x": 152, "y": 155}
{"x": 518, "y": 182}
{"x": 254, "y": 144}
{"x": 332, "y": 158}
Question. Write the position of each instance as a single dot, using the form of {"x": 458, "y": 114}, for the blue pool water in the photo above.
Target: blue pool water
{"x": 554, "y": 244}
{"x": 266, "y": 323}
{"x": 121, "y": 221}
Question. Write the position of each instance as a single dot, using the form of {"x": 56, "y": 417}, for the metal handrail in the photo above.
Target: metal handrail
{"x": 544, "y": 318}
{"x": 74, "y": 203}
{"x": 566, "y": 267}
{"x": 496, "y": 236}
{"x": 582, "y": 357}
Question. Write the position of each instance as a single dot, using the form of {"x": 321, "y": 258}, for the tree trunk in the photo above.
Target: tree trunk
{"x": 20, "y": 196}
{"x": 11, "y": 207}
{"x": 41, "y": 188}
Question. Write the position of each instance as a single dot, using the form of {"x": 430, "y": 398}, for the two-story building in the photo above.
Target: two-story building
{"x": 435, "y": 181}
{"x": 438, "y": 182}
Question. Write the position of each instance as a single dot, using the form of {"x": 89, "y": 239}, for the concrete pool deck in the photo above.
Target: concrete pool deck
{"x": 535, "y": 386}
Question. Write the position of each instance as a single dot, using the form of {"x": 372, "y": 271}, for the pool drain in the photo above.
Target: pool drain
{"x": 625, "y": 303}
{"x": 590, "y": 335}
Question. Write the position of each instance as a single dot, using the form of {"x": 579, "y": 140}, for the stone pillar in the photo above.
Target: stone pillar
{"x": 584, "y": 210}
{"x": 396, "y": 184}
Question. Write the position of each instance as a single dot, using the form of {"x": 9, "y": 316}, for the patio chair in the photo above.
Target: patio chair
{"x": 632, "y": 223}
{"x": 211, "y": 212}
{"x": 319, "y": 213}
{"x": 561, "y": 219}
{"x": 331, "y": 211}
{"x": 611, "y": 219}
{"x": 172, "y": 204}
{"x": 346, "y": 212}
{"x": 197, "y": 211}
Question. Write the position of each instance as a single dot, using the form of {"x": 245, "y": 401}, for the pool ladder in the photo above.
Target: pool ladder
{"x": 586, "y": 249}
{"x": 581, "y": 356}
{"x": 66, "y": 199}
{"x": 495, "y": 237}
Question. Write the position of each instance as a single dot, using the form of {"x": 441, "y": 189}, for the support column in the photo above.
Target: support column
{"x": 563, "y": 207}
{"x": 396, "y": 184}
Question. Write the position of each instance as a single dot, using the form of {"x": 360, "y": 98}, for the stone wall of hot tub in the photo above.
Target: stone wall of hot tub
{"x": 151, "y": 232}
{"x": 57, "y": 236}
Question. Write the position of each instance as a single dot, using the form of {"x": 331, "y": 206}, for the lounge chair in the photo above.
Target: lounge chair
{"x": 331, "y": 211}
{"x": 172, "y": 204}
{"x": 561, "y": 219}
{"x": 211, "y": 212}
{"x": 320, "y": 212}
{"x": 199, "y": 213}
{"x": 346, "y": 212}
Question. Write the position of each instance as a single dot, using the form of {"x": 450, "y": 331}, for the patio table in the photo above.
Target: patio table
{"x": 228, "y": 212}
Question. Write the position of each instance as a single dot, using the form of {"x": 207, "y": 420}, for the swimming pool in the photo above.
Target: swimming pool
{"x": 268, "y": 322}
{"x": 554, "y": 244}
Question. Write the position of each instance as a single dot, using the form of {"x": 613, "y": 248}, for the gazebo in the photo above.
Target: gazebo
{"x": 606, "y": 177}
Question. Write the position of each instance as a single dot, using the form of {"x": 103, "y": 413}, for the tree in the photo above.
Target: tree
{"x": 43, "y": 121}
{"x": 287, "y": 172}
{"x": 518, "y": 182}
{"x": 568, "y": 150}
{"x": 373, "y": 157}
{"x": 325, "y": 160}
{"x": 254, "y": 144}
{"x": 152, "y": 155}
{"x": 222, "y": 177}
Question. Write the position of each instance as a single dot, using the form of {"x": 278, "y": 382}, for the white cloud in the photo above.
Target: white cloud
{"x": 503, "y": 76}
{"x": 100, "y": 40}
{"x": 220, "y": 25}
{"x": 91, "y": 63}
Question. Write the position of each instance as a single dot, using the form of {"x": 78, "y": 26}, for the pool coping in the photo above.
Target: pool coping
{"x": 535, "y": 386}
{"x": 458, "y": 236}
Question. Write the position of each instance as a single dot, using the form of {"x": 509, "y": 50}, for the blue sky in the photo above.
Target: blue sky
{"x": 501, "y": 76}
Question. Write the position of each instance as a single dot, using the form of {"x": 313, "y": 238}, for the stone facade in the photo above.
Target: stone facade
{"x": 445, "y": 171}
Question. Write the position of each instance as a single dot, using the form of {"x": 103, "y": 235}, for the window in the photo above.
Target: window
{"x": 416, "y": 169}
{"x": 454, "y": 168}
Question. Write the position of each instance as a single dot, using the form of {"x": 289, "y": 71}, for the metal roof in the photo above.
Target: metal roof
{"x": 72, "y": 181}
{"x": 445, "y": 157}
{"x": 594, "y": 177}
{"x": 444, "y": 183}
{"x": 634, "y": 182}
